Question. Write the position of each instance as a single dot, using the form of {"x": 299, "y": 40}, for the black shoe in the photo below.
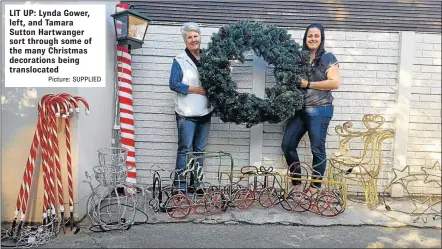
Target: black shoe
{"x": 200, "y": 191}
{"x": 163, "y": 209}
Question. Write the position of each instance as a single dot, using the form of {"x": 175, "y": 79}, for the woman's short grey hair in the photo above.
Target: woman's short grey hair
{"x": 189, "y": 26}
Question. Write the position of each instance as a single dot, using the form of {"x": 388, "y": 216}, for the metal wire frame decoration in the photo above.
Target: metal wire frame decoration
{"x": 241, "y": 189}
{"x": 364, "y": 168}
{"x": 202, "y": 193}
{"x": 108, "y": 207}
{"x": 426, "y": 206}
{"x": 269, "y": 188}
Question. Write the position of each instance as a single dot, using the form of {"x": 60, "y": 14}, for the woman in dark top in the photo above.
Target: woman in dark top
{"x": 317, "y": 112}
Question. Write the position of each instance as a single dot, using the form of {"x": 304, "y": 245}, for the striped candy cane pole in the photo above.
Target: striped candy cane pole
{"x": 30, "y": 170}
{"x": 48, "y": 110}
{"x": 28, "y": 174}
{"x": 44, "y": 154}
{"x": 87, "y": 111}
{"x": 125, "y": 98}
{"x": 126, "y": 110}
{"x": 74, "y": 103}
{"x": 45, "y": 159}
{"x": 69, "y": 165}
{"x": 61, "y": 107}
{"x": 71, "y": 105}
{"x": 45, "y": 164}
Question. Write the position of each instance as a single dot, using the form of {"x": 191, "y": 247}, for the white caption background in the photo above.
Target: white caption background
{"x": 91, "y": 65}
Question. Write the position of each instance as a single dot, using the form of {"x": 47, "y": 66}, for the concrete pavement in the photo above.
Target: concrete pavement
{"x": 357, "y": 226}
{"x": 355, "y": 214}
{"x": 190, "y": 235}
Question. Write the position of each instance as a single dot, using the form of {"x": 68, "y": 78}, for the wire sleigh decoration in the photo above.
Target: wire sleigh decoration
{"x": 214, "y": 189}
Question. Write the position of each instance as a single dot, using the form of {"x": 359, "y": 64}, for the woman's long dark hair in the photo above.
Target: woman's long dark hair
{"x": 321, "y": 49}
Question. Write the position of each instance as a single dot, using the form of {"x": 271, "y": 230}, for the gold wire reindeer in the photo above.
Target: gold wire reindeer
{"x": 363, "y": 168}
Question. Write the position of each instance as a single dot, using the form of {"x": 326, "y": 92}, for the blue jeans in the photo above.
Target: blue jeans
{"x": 192, "y": 137}
{"x": 315, "y": 121}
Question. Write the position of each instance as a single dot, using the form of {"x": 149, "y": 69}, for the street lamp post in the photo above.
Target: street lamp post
{"x": 130, "y": 31}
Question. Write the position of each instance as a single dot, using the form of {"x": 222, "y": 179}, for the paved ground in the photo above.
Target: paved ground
{"x": 355, "y": 214}
{"x": 357, "y": 227}
{"x": 190, "y": 235}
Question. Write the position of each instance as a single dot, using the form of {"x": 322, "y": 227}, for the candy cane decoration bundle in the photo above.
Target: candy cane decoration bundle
{"x": 50, "y": 108}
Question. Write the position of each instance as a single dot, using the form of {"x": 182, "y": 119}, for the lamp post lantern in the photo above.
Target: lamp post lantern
{"x": 130, "y": 28}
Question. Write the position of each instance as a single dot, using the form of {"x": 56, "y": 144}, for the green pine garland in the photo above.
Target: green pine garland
{"x": 277, "y": 48}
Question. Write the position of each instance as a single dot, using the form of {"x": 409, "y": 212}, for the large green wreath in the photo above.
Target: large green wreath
{"x": 277, "y": 48}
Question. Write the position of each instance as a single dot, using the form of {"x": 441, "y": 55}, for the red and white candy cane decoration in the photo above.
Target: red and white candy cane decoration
{"x": 50, "y": 108}
{"x": 73, "y": 101}
{"x": 27, "y": 175}
{"x": 125, "y": 98}
{"x": 55, "y": 167}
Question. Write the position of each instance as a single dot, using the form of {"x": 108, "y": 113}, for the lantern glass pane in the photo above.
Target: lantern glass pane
{"x": 137, "y": 27}
{"x": 121, "y": 26}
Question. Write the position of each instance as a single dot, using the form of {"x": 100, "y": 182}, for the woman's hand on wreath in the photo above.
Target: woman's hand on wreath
{"x": 197, "y": 90}
{"x": 201, "y": 91}
{"x": 305, "y": 84}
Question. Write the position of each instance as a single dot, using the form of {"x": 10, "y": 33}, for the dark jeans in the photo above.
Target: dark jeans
{"x": 315, "y": 121}
{"x": 192, "y": 137}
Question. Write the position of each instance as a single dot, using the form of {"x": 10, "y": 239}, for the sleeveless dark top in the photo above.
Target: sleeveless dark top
{"x": 314, "y": 97}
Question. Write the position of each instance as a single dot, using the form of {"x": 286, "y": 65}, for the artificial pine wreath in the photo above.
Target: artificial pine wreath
{"x": 277, "y": 48}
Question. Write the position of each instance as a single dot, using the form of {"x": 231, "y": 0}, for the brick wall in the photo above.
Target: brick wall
{"x": 424, "y": 145}
{"x": 368, "y": 65}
